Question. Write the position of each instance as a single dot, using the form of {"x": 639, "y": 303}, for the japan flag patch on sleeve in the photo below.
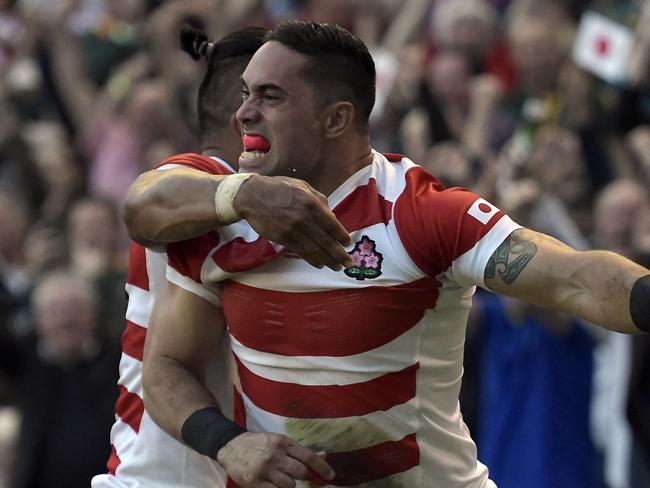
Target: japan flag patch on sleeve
{"x": 482, "y": 210}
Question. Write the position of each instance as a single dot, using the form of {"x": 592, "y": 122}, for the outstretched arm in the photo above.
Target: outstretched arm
{"x": 184, "y": 334}
{"x": 171, "y": 205}
{"x": 594, "y": 285}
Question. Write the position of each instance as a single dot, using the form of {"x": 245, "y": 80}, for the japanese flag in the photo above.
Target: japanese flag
{"x": 603, "y": 47}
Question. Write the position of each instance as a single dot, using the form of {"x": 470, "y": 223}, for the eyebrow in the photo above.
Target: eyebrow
{"x": 264, "y": 87}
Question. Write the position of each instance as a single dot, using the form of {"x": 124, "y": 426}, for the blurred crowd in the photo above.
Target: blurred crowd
{"x": 485, "y": 94}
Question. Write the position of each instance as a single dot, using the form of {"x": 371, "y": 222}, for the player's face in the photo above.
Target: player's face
{"x": 280, "y": 123}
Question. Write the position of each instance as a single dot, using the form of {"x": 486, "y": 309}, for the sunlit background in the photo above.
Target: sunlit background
{"x": 542, "y": 107}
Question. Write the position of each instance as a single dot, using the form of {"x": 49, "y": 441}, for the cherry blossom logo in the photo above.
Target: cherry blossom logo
{"x": 367, "y": 261}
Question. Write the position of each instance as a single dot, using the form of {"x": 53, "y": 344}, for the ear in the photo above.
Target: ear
{"x": 338, "y": 118}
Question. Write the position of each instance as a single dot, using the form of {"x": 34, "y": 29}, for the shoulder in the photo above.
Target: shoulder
{"x": 416, "y": 193}
{"x": 195, "y": 161}
{"x": 437, "y": 225}
{"x": 425, "y": 195}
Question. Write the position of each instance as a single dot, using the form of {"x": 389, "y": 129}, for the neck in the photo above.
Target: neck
{"x": 214, "y": 151}
{"x": 339, "y": 168}
{"x": 229, "y": 154}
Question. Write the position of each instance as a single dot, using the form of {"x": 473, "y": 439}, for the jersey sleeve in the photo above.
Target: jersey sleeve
{"x": 186, "y": 259}
{"x": 449, "y": 231}
{"x": 194, "y": 161}
{"x": 186, "y": 262}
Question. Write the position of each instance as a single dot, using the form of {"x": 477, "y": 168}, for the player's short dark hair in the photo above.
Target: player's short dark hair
{"x": 340, "y": 66}
{"x": 220, "y": 91}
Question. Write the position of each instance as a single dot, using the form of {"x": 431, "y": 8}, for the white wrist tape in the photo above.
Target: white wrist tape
{"x": 225, "y": 196}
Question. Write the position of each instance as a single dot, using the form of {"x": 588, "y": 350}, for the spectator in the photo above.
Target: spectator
{"x": 563, "y": 209}
{"x": 93, "y": 236}
{"x": 617, "y": 208}
{"x": 65, "y": 378}
{"x": 59, "y": 169}
{"x": 483, "y": 93}
{"x": 525, "y": 435}
{"x": 468, "y": 26}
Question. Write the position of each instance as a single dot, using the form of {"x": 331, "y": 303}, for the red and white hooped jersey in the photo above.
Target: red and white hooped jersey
{"x": 143, "y": 455}
{"x": 364, "y": 364}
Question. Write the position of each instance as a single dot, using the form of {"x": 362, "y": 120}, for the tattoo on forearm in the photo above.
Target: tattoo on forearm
{"x": 510, "y": 258}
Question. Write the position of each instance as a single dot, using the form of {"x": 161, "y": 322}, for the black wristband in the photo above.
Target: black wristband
{"x": 207, "y": 430}
{"x": 640, "y": 303}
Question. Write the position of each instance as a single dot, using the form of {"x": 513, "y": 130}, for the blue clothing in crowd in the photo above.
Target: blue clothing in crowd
{"x": 533, "y": 426}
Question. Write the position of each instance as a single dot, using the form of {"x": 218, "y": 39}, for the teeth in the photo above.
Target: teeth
{"x": 253, "y": 154}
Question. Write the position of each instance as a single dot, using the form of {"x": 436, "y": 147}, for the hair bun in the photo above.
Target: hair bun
{"x": 195, "y": 42}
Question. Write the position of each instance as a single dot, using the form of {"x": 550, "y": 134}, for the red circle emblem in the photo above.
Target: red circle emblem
{"x": 484, "y": 207}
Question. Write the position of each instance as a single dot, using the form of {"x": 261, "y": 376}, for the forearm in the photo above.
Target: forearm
{"x": 185, "y": 333}
{"x": 603, "y": 284}
{"x": 170, "y": 206}
{"x": 407, "y": 24}
{"x": 78, "y": 92}
{"x": 173, "y": 393}
{"x": 475, "y": 137}
{"x": 599, "y": 286}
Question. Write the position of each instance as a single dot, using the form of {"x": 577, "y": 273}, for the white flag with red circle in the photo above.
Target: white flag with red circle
{"x": 603, "y": 47}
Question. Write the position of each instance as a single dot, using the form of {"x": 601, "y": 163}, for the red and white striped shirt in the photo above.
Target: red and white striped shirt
{"x": 143, "y": 455}
{"x": 365, "y": 364}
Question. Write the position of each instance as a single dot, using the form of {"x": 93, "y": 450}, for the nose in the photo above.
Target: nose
{"x": 247, "y": 113}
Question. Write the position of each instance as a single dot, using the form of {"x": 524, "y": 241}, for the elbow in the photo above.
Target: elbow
{"x": 153, "y": 387}
{"x": 148, "y": 380}
{"x": 150, "y": 388}
{"x": 138, "y": 219}
{"x": 132, "y": 215}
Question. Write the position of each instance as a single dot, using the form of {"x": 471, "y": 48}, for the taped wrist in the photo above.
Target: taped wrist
{"x": 225, "y": 195}
{"x": 207, "y": 430}
{"x": 640, "y": 303}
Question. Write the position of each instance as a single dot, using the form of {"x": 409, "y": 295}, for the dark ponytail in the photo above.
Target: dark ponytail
{"x": 220, "y": 91}
{"x": 195, "y": 42}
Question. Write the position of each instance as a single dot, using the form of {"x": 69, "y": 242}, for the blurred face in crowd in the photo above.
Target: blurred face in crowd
{"x": 557, "y": 162}
{"x": 465, "y": 25}
{"x": 280, "y": 106}
{"x": 65, "y": 316}
{"x": 537, "y": 54}
{"x": 92, "y": 235}
{"x": 618, "y": 210}
{"x": 92, "y": 223}
{"x": 470, "y": 34}
{"x": 54, "y": 156}
{"x": 448, "y": 77}
{"x": 145, "y": 109}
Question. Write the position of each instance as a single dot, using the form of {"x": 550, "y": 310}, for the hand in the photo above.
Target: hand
{"x": 290, "y": 212}
{"x": 44, "y": 248}
{"x": 262, "y": 460}
{"x": 485, "y": 90}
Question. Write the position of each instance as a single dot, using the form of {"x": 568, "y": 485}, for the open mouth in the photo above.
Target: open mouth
{"x": 255, "y": 146}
